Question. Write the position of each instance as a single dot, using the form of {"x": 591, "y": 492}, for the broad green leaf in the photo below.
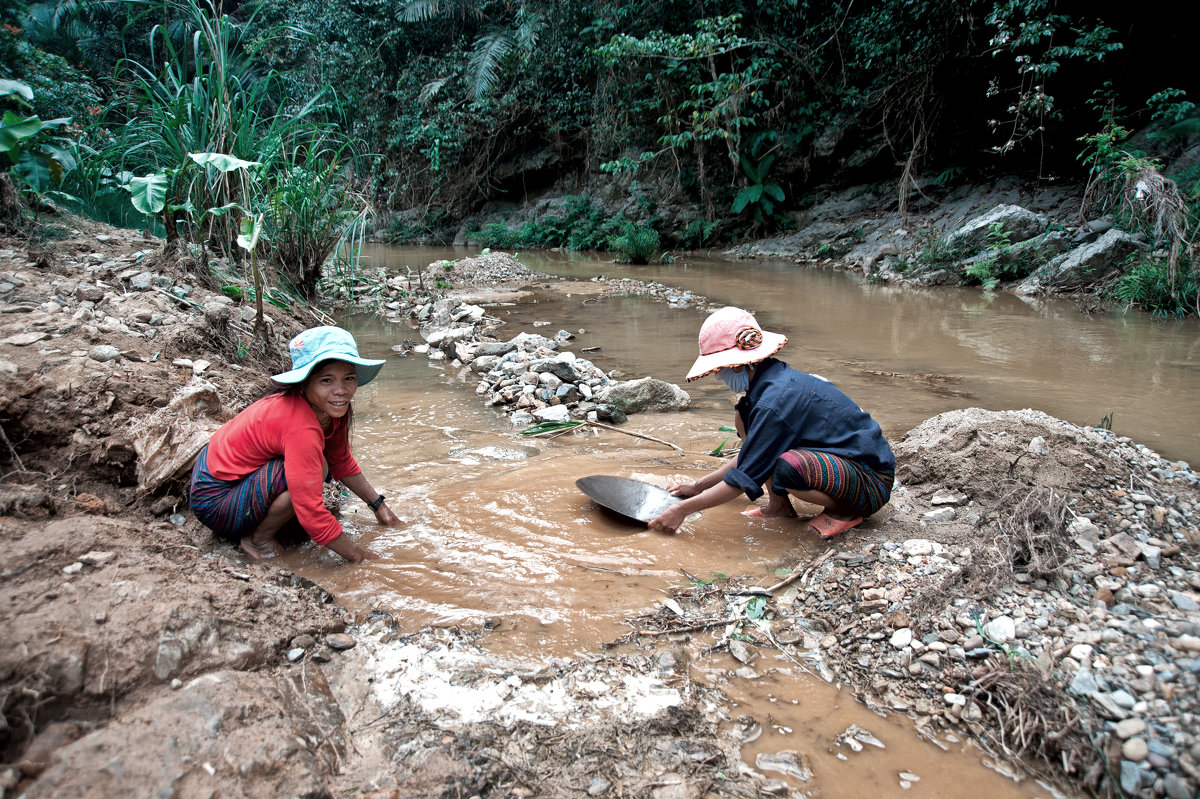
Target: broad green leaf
{"x": 251, "y": 229}
{"x": 756, "y": 607}
{"x": 35, "y": 169}
{"x": 222, "y": 162}
{"x": 750, "y": 194}
{"x": 774, "y": 190}
{"x": 11, "y": 87}
{"x": 149, "y": 193}
{"x": 15, "y": 129}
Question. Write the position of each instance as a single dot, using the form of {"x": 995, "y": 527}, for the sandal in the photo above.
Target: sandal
{"x": 754, "y": 512}
{"x": 828, "y": 527}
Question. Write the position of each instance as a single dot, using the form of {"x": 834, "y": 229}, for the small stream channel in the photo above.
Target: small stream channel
{"x": 499, "y": 536}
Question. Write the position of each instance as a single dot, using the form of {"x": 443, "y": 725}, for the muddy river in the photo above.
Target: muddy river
{"x": 497, "y": 535}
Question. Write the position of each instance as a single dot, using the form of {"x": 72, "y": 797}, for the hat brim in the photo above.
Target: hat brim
{"x": 365, "y": 369}
{"x": 707, "y": 364}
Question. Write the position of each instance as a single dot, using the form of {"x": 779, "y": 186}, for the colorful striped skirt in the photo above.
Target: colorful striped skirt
{"x": 233, "y": 508}
{"x": 855, "y": 487}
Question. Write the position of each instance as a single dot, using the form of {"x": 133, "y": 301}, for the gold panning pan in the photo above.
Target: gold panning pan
{"x": 630, "y": 500}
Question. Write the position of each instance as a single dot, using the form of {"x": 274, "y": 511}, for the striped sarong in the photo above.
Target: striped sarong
{"x": 853, "y": 486}
{"x": 233, "y": 508}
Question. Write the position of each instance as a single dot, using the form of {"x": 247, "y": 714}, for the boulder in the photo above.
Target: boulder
{"x": 645, "y": 395}
{"x": 1085, "y": 265}
{"x": 1019, "y": 223}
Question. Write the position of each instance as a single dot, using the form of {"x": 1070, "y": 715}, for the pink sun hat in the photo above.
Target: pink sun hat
{"x": 732, "y": 337}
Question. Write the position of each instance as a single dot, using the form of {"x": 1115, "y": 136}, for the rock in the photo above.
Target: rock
{"x": 1092, "y": 263}
{"x": 1135, "y": 749}
{"x": 741, "y": 651}
{"x": 1177, "y": 787}
{"x": 42, "y": 748}
{"x": 24, "y": 339}
{"x": 1186, "y": 643}
{"x": 941, "y": 515}
{"x": 104, "y": 353}
{"x": 554, "y": 413}
{"x": 1001, "y": 629}
{"x": 90, "y": 503}
{"x": 1018, "y": 223}
{"x": 944, "y": 497}
{"x": 598, "y": 786}
{"x": 95, "y": 558}
{"x": 340, "y": 641}
{"x": 1083, "y": 683}
{"x": 901, "y": 638}
{"x": 788, "y": 762}
{"x": 644, "y": 396}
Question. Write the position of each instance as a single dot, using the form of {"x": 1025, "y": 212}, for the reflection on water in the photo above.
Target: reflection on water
{"x": 498, "y": 536}
{"x": 904, "y": 354}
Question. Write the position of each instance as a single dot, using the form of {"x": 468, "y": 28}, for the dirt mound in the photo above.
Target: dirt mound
{"x": 954, "y": 450}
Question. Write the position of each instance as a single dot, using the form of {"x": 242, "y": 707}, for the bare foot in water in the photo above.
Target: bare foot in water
{"x": 776, "y": 508}
{"x": 260, "y": 552}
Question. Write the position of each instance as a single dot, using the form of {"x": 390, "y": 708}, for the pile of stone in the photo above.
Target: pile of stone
{"x": 532, "y": 377}
{"x": 1115, "y": 630}
{"x": 632, "y": 287}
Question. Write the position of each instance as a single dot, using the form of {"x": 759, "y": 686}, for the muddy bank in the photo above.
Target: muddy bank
{"x": 1033, "y": 587}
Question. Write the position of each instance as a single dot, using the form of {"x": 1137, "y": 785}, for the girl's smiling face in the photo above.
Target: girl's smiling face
{"x": 330, "y": 387}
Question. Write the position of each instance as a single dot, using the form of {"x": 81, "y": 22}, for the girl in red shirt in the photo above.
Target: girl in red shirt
{"x": 268, "y": 465}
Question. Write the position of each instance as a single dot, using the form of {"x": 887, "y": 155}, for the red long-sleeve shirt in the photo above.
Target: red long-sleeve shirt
{"x": 285, "y": 425}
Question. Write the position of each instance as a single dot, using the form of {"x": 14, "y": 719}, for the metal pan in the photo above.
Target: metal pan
{"x": 630, "y": 500}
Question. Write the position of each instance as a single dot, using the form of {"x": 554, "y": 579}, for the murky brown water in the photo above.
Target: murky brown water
{"x": 497, "y": 530}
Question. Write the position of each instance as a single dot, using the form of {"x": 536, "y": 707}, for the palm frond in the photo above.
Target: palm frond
{"x": 426, "y": 10}
{"x": 431, "y": 89}
{"x": 489, "y": 50}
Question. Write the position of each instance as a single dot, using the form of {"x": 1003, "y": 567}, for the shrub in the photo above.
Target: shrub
{"x": 635, "y": 244}
{"x": 1154, "y": 287}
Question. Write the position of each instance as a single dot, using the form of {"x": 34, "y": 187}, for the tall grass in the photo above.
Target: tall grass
{"x": 204, "y": 90}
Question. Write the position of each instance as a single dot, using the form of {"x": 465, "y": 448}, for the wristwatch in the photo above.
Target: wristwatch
{"x": 374, "y": 506}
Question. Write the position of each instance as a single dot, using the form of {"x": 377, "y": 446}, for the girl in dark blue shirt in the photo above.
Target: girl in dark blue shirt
{"x": 799, "y": 432}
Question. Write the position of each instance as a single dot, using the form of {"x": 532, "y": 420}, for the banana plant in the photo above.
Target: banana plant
{"x": 38, "y": 158}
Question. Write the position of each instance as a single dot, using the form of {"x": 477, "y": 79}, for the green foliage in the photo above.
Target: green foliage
{"x": 1026, "y": 31}
{"x": 205, "y": 140}
{"x": 759, "y": 197}
{"x": 1170, "y": 106}
{"x": 36, "y": 156}
{"x": 989, "y": 271}
{"x": 1131, "y": 186}
{"x": 1152, "y": 286}
{"x": 635, "y": 244}
{"x": 719, "y": 449}
{"x": 699, "y": 233}
{"x": 576, "y": 225}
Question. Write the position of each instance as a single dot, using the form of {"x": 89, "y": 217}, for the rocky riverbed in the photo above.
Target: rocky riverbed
{"x": 1032, "y": 587}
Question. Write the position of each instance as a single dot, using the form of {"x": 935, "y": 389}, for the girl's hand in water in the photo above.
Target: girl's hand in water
{"x": 685, "y": 489}
{"x": 385, "y": 516}
{"x": 669, "y": 520}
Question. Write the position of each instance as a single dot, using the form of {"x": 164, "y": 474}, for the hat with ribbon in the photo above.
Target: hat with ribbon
{"x": 327, "y": 343}
{"x": 732, "y": 337}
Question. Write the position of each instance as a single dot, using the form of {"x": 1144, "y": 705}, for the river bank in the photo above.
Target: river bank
{"x": 1025, "y": 566}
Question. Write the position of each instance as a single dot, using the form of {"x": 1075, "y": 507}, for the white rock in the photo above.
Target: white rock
{"x": 901, "y": 638}
{"x": 1001, "y": 629}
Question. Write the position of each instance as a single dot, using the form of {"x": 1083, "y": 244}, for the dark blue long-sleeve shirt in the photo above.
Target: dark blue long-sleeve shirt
{"x": 788, "y": 409}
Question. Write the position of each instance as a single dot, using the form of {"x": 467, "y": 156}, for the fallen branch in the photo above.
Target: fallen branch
{"x": 635, "y": 435}
{"x": 690, "y": 628}
{"x": 791, "y": 578}
{"x": 12, "y": 450}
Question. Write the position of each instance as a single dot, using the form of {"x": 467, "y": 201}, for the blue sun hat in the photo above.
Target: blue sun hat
{"x": 322, "y": 344}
